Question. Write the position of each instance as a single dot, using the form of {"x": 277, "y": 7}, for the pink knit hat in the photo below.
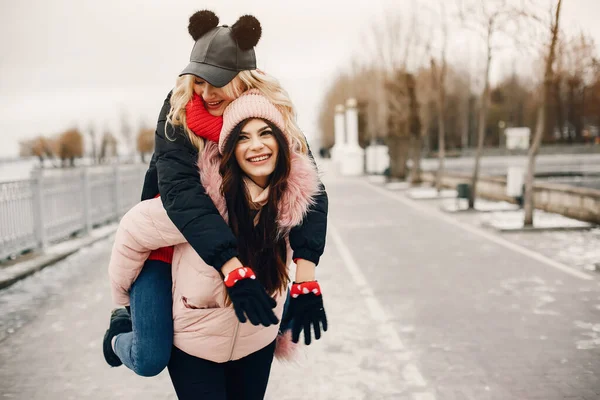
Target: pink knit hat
{"x": 251, "y": 104}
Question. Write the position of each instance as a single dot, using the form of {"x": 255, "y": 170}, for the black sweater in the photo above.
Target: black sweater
{"x": 173, "y": 173}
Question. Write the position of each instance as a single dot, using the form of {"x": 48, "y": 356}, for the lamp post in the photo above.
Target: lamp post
{"x": 352, "y": 163}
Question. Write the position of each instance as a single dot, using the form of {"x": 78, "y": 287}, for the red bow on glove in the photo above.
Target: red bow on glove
{"x": 239, "y": 274}
{"x": 305, "y": 288}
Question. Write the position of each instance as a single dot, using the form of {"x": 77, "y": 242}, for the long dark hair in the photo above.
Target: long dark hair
{"x": 259, "y": 247}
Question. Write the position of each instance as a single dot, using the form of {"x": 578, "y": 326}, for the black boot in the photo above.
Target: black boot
{"x": 120, "y": 322}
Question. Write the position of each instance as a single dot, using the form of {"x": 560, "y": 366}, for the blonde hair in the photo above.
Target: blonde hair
{"x": 245, "y": 80}
{"x": 182, "y": 94}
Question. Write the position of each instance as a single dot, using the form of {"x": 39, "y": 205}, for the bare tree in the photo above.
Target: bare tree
{"x": 438, "y": 84}
{"x": 108, "y": 148}
{"x": 414, "y": 127}
{"x": 580, "y": 66}
{"x": 557, "y": 93}
{"x": 426, "y": 114}
{"x": 70, "y": 146}
{"x": 488, "y": 19}
{"x": 337, "y": 93}
{"x": 438, "y": 78}
{"x": 377, "y": 112}
{"x": 390, "y": 46}
{"x": 541, "y": 119}
{"x": 366, "y": 85}
{"x": 398, "y": 138}
{"x": 404, "y": 125}
{"x": 127, "y": 132}
{"x": 400, "y": 44}
{"x": 92, "y": 134}
{"x": 145, "y": 142}
{"x": 26, "y": 148}
{"x": 40, "y": 147}
{"x": 387, "y": 42}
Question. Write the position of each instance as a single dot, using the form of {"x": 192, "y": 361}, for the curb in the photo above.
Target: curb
{"x": 493, "y": 227}
{"x": 486, "y": 225}
{"x": 474, "y": 210}
{"x": 53, "y": 254}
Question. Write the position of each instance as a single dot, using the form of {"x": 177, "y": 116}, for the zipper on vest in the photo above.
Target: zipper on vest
{"x": 237, "y": 327}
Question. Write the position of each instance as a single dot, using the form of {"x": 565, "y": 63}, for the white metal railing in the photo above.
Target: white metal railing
{"x": 54, "y": 204}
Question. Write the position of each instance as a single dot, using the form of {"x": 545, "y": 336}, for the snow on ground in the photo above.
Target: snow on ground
{"x": 508, "y": 220}
{"x": 452, "y": 205}
{"x": 430, "y": 193}
{"x": 534, "y": 289}
{"x": 592, "y": 332}
{"x": 19, "y": 303}
{"x": 579, "y": 249}
{"x": 397, "y": 185}
{"x": 377, "y": 178}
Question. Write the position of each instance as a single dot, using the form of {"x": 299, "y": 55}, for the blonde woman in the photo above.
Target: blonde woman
{"x": 222, "y": 67}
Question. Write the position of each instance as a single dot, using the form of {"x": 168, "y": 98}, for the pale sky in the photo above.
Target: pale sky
{"x": 82, "y": 62}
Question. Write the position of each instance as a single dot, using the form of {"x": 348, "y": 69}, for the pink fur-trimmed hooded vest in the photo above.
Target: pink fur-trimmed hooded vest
{"x": 205, "y": 324}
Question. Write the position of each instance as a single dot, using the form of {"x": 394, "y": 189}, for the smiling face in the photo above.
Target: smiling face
{"x": 215, "y": 99}
{"x": 256, "y": 151}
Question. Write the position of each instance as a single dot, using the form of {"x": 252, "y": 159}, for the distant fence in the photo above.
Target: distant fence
{"x": 57, "y": 203}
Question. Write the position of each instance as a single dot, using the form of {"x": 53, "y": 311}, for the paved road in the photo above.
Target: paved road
{"x": 420, "y": 308}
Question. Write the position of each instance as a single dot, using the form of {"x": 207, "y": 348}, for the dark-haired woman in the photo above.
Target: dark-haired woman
{"x": 263, "y": 184}
{"x": 222, "y": 67}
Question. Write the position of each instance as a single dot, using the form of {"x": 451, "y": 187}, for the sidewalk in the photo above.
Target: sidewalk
{"x": 420, "y": 308}
{"x": 18, "y": 270}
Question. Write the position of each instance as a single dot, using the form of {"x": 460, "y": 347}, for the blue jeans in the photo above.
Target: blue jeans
{"x": 147, "y": 349}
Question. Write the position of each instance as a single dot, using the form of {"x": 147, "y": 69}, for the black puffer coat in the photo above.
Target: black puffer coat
{"x": 174, "y": 174}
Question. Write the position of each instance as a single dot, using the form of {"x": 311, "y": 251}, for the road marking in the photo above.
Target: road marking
{"x": 480, "y": 232}
{"x": 387, "y": 333}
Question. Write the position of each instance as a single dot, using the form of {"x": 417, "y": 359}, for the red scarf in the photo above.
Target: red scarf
{"x": 200, "y": 121}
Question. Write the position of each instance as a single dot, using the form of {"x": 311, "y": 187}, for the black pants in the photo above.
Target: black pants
{"x": 243, "y": 379}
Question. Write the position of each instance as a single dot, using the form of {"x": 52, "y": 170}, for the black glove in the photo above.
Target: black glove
{"x": 306, "y": 308}
{"x": 250, "y": 299}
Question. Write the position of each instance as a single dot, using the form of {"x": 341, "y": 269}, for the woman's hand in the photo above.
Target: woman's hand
{"x": 306, "y": 309}
{"x": 250, "y": 299}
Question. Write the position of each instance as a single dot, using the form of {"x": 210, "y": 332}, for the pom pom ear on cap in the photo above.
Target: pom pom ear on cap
{"x": 221, "y": 52}
{"x": 246, "y": 32}
{"x": 202, "y": 22}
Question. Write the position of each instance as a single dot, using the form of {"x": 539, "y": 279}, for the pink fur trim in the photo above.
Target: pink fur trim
{"x": 303, "y": 187}
{"x": 285, "y": 349}
{"x": 209, "y": 162}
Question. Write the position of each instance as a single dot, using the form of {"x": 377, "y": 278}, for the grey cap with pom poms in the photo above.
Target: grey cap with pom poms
{"x": 221, "y": 52}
